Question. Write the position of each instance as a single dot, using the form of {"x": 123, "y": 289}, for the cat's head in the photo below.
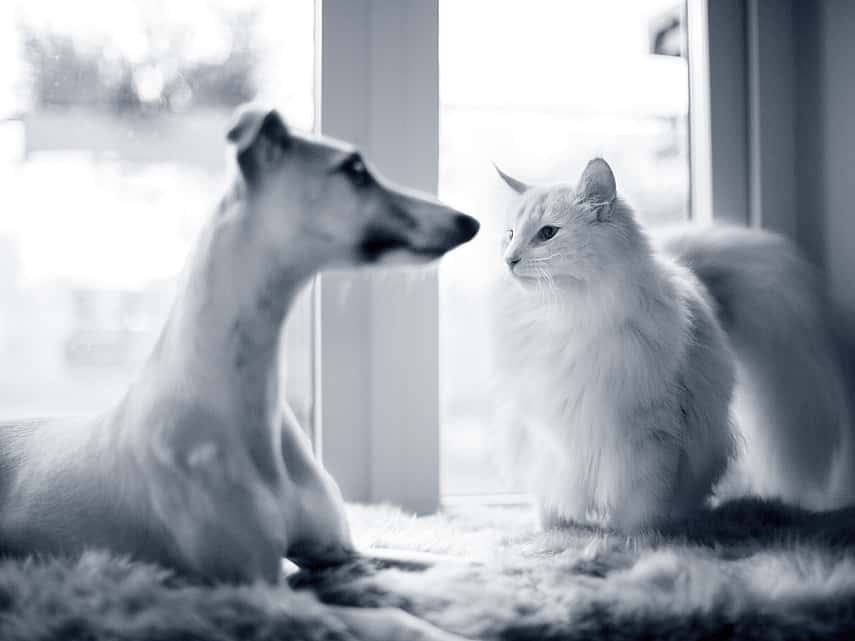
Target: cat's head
{"x": 568, "y": 235}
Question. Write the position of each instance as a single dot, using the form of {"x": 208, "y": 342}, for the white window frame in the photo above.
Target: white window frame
{"x": 742, "y": 116}
{"x": 771, "y": 64}
{"x": 718, "y": 117}
{"x": 376, "y": 335}
{"x": 377, "y": 374}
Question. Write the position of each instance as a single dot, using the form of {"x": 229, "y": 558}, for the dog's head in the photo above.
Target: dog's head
{"x": 323, "y": 193}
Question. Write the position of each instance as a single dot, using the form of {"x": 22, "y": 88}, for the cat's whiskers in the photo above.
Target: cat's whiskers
{"x": 544, "y": 259}
{"x": 539, "y": 284}
{"x": 550, "y": 289}
{"x": 549, "y": 283}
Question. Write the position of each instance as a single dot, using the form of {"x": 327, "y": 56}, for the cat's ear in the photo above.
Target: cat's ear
{"x": 517, "y": 185}
{"x": 597, "y": 189}
{"x": 260, "y": 137}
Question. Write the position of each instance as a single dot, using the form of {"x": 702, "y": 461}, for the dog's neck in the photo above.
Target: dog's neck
{"x": 221, "y": 342}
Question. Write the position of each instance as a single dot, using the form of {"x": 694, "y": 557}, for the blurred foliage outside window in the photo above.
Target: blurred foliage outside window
{"x": 112, "y": 151}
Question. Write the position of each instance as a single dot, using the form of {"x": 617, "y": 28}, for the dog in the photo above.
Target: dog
{"x": 200, "y": 466}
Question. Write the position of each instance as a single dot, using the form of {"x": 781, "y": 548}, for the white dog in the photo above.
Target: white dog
{"x": 200, "y": 466}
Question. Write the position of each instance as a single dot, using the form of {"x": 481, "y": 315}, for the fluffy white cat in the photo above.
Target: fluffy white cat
{"x": 623, "y": 364}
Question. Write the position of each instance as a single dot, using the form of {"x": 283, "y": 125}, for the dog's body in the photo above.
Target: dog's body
{"x": 200, "y": 466}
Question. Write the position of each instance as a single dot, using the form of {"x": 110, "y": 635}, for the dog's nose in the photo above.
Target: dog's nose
{"x": 467, "y": 225}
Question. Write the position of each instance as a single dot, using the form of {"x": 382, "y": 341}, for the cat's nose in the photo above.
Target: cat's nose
{"x": 512, "y": 261}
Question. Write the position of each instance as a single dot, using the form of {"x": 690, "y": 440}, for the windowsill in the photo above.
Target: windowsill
{"x": 512, "y": 499}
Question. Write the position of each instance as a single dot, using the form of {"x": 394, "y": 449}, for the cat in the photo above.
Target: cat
{"x": 637, "y": 372}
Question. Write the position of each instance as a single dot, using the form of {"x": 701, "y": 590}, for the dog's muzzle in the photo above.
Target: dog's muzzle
{"x": 428, "y": 243}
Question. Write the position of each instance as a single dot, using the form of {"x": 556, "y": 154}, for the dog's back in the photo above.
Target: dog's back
{"x": 58, "y": 495}
{"x": 792, "y": 401}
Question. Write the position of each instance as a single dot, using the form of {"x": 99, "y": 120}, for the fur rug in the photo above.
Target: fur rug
{"x": 748, "y": 569}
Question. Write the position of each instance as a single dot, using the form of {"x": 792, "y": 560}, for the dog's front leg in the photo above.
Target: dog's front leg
{"x": 323, "y": 538}
{"x": 315, "y": 505}
{"x": 391, "y": 624}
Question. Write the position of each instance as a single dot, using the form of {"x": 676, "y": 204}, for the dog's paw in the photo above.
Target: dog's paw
{"x": 391, "y": 624}
{"x": 311, "y": 556}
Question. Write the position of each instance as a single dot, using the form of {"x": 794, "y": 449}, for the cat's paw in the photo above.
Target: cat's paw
{"x": 551, "y": 518}
{"x": 637, "y": 517}
{"x": 552, "y": 521}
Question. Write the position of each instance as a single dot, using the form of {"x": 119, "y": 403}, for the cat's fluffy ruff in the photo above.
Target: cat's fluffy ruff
{"x": 619, "y": 377}
{"x": 620, "y": 373}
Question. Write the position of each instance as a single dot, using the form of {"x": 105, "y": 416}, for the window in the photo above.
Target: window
{"x": 112, "y": 123}
{"x": 550, "y": 84}
{"x": 124, "y": 117}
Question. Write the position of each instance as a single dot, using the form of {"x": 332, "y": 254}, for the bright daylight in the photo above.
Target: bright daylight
{"x": 385, "y": 320}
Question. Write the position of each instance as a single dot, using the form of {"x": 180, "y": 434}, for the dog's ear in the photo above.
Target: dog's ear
{"x": 260, "y": 137}
{"x": 597, "y": 189}
{"x": 517, "y": 185}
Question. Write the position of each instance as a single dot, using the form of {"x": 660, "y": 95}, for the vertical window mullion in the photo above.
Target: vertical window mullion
{"x": 719, "y": 110}
{"x": 378, "y": 363}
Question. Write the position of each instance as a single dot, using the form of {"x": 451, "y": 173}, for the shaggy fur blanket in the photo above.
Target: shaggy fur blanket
{"x": 748, "y": 570}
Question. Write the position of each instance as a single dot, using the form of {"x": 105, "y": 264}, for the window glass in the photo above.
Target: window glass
{"x": 112, "y": 151}
{"x": 540, "y": 87}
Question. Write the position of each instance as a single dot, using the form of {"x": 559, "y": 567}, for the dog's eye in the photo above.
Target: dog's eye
{"x": 357, "y": 171}
{"x": 546, "y": 232}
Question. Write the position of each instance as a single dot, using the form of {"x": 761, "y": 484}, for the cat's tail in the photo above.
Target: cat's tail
{"x": 793, "y": 399}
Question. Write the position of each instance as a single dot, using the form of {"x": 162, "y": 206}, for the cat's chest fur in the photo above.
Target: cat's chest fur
{"x": 580, "y": 369}
{"x": 588, "y": 381}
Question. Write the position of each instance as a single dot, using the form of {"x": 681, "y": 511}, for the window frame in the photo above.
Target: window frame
{"x": 376, "y": 334}
{"x": 718, "y": 115}
{"x": 741, "y": 113}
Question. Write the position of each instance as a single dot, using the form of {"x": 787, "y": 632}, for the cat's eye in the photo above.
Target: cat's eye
{"x": 509, "y": 235}
{"x": 356, "y": 170}
{"x": 546, "y": 232}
